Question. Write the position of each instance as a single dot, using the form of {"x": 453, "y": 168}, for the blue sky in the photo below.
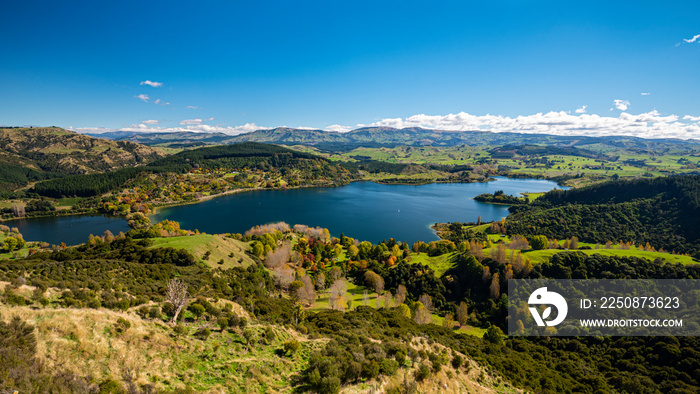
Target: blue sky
{"x": 236, "y": 66}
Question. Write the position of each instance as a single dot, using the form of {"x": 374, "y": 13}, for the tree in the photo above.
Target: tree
{"x": 426, "y": 301}
{"x": 494, "y": 335}
{"x": 404, "y": 310}
{"x": 353, "y": 251}
{"x": 336, "y": 294}
{"x": 421, "y": 315}
{"x": 320, "y": 282}
{"x": 279, "y": 257}
{"x": 573, "y": 244}
{"x": 539, "y": 242}
{"x": 176, "y": 295}
{"x": 449, "y": 321}
{"x": 495, "y": 288}
{"x": 258, "y": 249}
{"x": 298, "y": 313}
{"x": 334, "y": 274}
{"x": 462, "y": 313}
{"x": 401, "y": 294}
{"x": 374, "y": 281}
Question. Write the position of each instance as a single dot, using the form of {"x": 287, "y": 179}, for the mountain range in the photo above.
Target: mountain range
{"x": 390, "y": 137}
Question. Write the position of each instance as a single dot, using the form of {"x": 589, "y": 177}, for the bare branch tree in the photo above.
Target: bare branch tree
{"x": 176, "y": 295}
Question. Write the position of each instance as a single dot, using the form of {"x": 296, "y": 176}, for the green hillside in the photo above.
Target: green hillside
{"x": 32, "y": 154}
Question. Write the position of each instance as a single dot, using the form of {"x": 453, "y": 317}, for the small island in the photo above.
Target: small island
{"x": 499, "y": 197}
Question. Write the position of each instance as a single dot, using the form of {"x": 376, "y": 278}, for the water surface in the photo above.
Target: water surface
{"x": 362, "y": 210}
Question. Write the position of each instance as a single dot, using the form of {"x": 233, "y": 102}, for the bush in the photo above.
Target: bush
{"x": 494, "y": 335}
{"x": 329, "y": 385}
{"x": 197, "y": 310}
{"x": 422, "y": 372}
{"x": 457, "y": 361}
{"x": 388, "y": 367}
{"x": 179, "y": 329}
{"x": 121, "y": 325}
{"x": 291, "y": 346}
{"x": 370, "y": 369}
{"x": 154, "y": 312}
{"x": 222, "y": 323}
{"x": 203, "y": 334}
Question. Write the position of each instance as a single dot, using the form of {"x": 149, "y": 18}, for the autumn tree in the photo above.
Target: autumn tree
{"x": 334, "y": 274}
{"x": 401, "y": 294}
{"x": 374, "y": 281}
{"x": 426, "y": 301}
{"x": 495, "y": 288}
{"x": 421, "y": 315}
{"x": 306, "y": 293}
{"x": 283, "y": 276}
{"x": 336, "y": 294}
{"x": 462, "y": 313}
{"x": 573, "y": 243}
{"x": 279, "y": 257}
{"x": 176, "y": 295}
{"x": 320, "y": 282}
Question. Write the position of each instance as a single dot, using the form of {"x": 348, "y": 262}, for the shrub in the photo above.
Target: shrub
{"x": 121, "y": 325}
{"x": 179, "y": 329}
{"x": 422, "y": 372}
{"x": 154, "y": 312}
{"x": 388, "y": 367}
{"x": 291, "y": 346}
{"x": 202, "y": 334}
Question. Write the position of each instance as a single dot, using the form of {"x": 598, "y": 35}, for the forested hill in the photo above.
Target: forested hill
{"x": 295, "y": 168}
{"x": 31, "y": 154}
{"x": 241, "y": 154}
{"x": 661, "y": 211}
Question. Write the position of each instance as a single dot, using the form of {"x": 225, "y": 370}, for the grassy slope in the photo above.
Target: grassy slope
{"x": 540, "y": 256}
{"x": 71, "y": 153}
{"x": 84, "y": 341}
{"x": 219, "y": 246}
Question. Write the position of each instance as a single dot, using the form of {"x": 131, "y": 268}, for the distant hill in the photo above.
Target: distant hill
{"x": 30, "y": 154}
{"x": 391, "y": 137}
{"x": 251, "y": 155}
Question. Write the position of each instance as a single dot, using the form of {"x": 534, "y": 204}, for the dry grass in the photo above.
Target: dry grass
{"x": 85, "y": 342}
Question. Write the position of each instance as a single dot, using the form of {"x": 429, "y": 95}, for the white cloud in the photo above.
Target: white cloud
{"x": 89, "y": 130}
{"x": 151, "y": 83}
{"x": 161, "y": 102}
{"x": 150, "y": 121}
{"x": 210, "y": 119}
{"x": 645, "y": 94}
{"x": 338, "y": 128}
{"x": 191, "y": 122}
{"x": 192, "y": 107}
{"x": 622, "y": 105}
{"x": 645, "y": 125}
{"x": 581, "y": 110}
{"x": 692, "y": 118}
{"x": 143, "y": 97}
{"x": 691, "y": 40}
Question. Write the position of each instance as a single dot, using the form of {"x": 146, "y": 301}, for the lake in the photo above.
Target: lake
{"x": 362, "y": 210}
